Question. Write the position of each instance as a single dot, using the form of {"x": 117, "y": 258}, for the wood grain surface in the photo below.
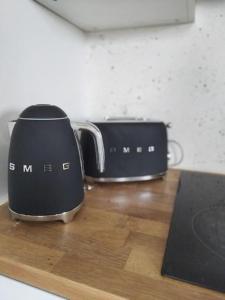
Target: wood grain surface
{"x": 113, "y": 249}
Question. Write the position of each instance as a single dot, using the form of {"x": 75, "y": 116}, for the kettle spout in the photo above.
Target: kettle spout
{"x": 11, "y": 125}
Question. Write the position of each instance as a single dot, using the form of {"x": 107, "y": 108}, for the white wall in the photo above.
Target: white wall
{"x": 41, "y": 61}
{"x": 173, "y": 73}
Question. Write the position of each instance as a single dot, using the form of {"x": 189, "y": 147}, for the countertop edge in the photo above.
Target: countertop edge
{"x": 52, "y": 283}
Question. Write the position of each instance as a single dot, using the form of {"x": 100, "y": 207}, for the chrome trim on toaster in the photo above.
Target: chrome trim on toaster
{"x": 122, "y": 119}
{"x": 125, "y": 179}
{"x": 66, "y": 217}
{"x": 125, "y": 119}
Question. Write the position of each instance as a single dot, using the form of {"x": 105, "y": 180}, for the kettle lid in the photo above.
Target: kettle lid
{"x": 43, "y": 111}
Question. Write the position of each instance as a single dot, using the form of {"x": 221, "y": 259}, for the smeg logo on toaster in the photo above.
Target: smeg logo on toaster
{"x": 46, "y": 167}
{"x": 127, "y": 149}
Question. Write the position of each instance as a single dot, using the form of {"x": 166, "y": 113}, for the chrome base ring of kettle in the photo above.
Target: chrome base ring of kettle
{"x": 65, "y": 217}
{"x": 125, "y": 179}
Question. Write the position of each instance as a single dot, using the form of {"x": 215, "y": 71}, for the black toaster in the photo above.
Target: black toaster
{"x": 135, "y": 150}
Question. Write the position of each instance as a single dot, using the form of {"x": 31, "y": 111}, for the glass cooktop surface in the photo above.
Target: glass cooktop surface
{"x": 195, "y": 250}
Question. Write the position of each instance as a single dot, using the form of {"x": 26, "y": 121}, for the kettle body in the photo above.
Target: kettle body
{"x": 45, "y": 169}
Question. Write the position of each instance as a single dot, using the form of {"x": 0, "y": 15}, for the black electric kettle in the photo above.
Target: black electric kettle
{"x": 45, "y": 171}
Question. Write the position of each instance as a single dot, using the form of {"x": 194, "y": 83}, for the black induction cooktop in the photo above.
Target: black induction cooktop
{"x": 195, "y": 250}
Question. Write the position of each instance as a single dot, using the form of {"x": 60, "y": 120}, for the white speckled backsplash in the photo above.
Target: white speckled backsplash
{"x": 173, "y": 73}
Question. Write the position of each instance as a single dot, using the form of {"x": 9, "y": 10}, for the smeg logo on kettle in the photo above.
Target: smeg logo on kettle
{"x": 47, "y": 167}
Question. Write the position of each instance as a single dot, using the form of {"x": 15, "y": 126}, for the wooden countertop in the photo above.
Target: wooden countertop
{"x": 113, "y": 249}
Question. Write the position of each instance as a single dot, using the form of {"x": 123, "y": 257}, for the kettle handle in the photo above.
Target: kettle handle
{"x": 80, "y": 153}
{"x": 98, "y": 140}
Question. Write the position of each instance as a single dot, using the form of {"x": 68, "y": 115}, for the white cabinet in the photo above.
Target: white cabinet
{"x": 12, "y": 289}
{"x": 95, "y": 15}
